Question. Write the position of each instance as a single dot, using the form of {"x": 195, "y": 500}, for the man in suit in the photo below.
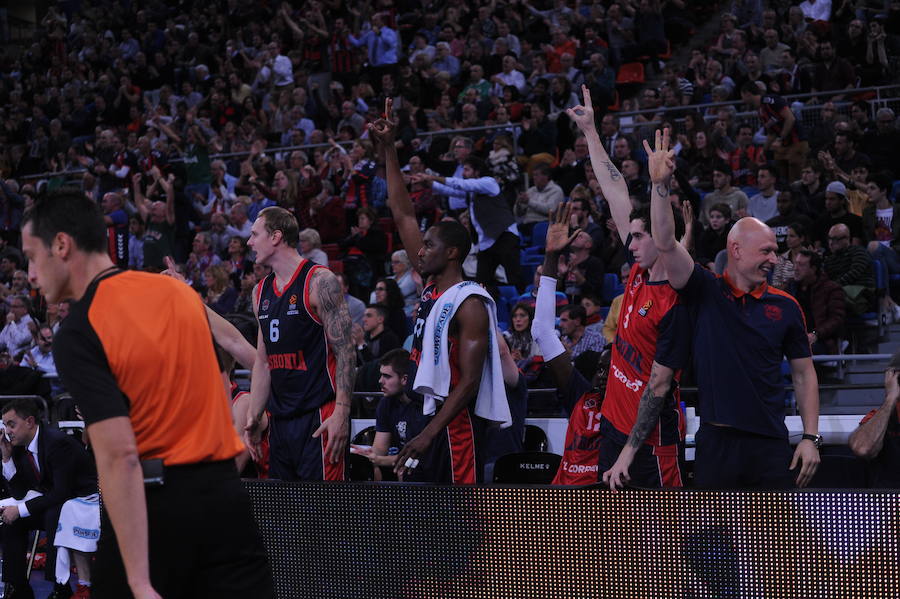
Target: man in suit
{"x": 39, "y": 458}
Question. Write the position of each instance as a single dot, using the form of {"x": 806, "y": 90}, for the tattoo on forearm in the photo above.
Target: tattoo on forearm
{"x": 336, "y": 321}
{"x": 662, "y": 191}
{"x": 647, "y": 416}
{"x": 613, "y": 171}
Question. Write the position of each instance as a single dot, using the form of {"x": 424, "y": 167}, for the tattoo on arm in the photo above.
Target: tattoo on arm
{"x": 662, "y": 191}
{"x": 647, "y": 416}
{"x": 336, "y": 321}
{"x": 613, "y": 171}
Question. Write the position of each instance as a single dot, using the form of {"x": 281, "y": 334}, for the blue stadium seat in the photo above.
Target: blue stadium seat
{"x": 612, "y": 287}
{"x": 539, "y": 235}
{"x": 508, "y": 294}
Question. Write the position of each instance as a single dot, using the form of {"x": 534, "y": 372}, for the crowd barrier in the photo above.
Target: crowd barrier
{"x": 399, "y": 541}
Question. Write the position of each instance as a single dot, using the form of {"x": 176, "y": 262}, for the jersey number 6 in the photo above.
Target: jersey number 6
{"x": 273, "y": 331}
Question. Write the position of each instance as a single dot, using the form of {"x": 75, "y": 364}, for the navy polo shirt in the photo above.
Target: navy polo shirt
{"x": 740, "y": 340}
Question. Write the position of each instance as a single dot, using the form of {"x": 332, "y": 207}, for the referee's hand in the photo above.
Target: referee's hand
{"x": 807, "y": 457}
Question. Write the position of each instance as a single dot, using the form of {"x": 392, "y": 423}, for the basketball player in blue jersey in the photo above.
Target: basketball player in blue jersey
{"x": 305, "y": 359}
{"x": 453, "y": 429}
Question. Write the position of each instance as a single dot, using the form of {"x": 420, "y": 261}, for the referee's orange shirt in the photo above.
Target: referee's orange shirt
{"x": 139, "y": 345}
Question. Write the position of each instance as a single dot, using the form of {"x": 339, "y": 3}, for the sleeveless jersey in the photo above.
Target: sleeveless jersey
{"x": 301, "y": 364}
{"x": 426, "y": 303}
{"x": 648, "y": 325}
{"x": 579, "y": 460}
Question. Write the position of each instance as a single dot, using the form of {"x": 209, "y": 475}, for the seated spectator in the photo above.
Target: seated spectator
{"x": 539, "y": 133}
{"x": 570, "y": 171}
{"x": 581, "y": 271}
{"x": 576, "y": 337}
{"x": 41, "y": 458}
{"x": 408, "y": 279}
{"x": 518, "y": 337}
{"x": 220, "y": 292}
{"x": 18, "y": 332}
{"x": 788, "y": 214}
{"x": 746, "y": 157}
{"x": 311, "y": 247}
{"x": 881, "y": 143}
{"x": 40, "y": 357}
{"x": 201, "y": 258}
{"x": 529, "y": 298}
{"x": 764, "y": 205}
{"x": 583, "y": 216}
{"x": 238, "y": 223}
{"x": 822, "y": 301}
{"x": 388, "y": 294}
{"x": 851, "y": 267}
{"x": 714, "y": 238}
{"x": 832, "y": 72}
{"x": 877, "y": 438}
{"x": 219, "y": 237}
{"x": 796, "y": 239}
{"x": 136, "y": 242}
{"x": 809, "y": 190}
{"x": 355, "y": 305}
{"x": 535, "y": 204}
{"x": 844, "y": 158}
{"x": 376, "y": 340}
{"x": 881, "y": 220}
{"x": 724, "y": 193}
{"x": 836, "y": 212}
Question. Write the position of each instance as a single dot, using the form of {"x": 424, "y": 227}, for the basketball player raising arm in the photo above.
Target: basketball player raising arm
{"x": 441, "y": 261}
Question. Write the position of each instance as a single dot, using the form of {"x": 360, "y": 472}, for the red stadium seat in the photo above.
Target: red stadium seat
{"x": 332, "y": 250}
{"x": 630, "y": 73}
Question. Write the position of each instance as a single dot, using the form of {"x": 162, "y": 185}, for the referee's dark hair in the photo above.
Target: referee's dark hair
{"x": 398, "y": 360}
{"x": 23, "y": 407}
{"x": 67, "y": 210}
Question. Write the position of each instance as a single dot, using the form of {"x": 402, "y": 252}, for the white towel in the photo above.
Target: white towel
{"x": 78, "y": 529}
{"x": 433, "y": 375}
{"x": 8, "y": 501}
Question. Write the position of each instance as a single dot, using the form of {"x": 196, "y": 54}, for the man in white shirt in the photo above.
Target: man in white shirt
{"x": 817, "y": 10}
{"x": 508, "y": 76}
{"x": 16, "y": 336}
{"x": 539, "y": 200}
{"x": 764, "y": 205}
{"x": 276, "y": 69}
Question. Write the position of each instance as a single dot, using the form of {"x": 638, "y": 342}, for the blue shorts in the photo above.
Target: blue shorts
{"x": 728, "y": 458}
{"x": 295, "y": 455}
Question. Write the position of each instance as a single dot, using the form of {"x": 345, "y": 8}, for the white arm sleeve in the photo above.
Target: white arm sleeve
{"x": 543, "y": 328}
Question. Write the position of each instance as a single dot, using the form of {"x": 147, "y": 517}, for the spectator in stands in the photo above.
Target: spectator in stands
{"x": 364, "y": 251}
{"x": 796, "y": 239}
{"x": 841, "y": 163}
{"x": 535, "y": 204}
{"x": 19, "y": 329}
{"x": 851, "y": 267}
{"x": 792, "y": 77}
{"x": 538, "y": 139}
{"x": 832, "y": 72}
{"x": 881, "y": 143}
{"x": 356, "y": 306}
{"x": 746, "y": 157}
{"x": 771, "y": 55}
{"x": 764, "y": 205}
{"x": 576, "y": 337}
{"x": 508, "y": 76}
{"x": 582, "y": 271}
{"x": 822, "y": 301}
{"x": 518, "y": 337}
{"x": 713, "y": 238}
{"x": 498, "y": 237}
{"x": 784, "y": 135}
{"x": 570, "y": 171}
{"x": 159, "y": 240}
{"x": 116, "y": 227}
{"x": 408, "y": 279}
{"x": 836, "y": 212}
{"x": 788, "y": 214}
{"x": 376, "y": 339}
{"x": 881, "y": 219}
{"x": 136, "y": 242}
{"x": 877, "y": 438}
{"x": 40, "y": 357}
{"x": 201, "y": 258}
{"x": 809, "y": 189}
{"x": 311, "y": 247}
{"x": 220, "y": 293}
{"x": 724, "y": 193}
{"x": 387, "y": 293}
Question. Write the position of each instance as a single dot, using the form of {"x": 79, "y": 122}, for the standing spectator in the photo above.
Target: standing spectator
{"x": 159, "y": 240}
{"x": 498, "y": 237}
{"x": 116, "y": 220}
{"x": 783, "y": 132}
{"x": 364, "y": 251}
{"x": 382, "y": 44}
{"x": 275, "y": 69}
{"x": 536, "y": 203}
{"x": 136, "y": 242}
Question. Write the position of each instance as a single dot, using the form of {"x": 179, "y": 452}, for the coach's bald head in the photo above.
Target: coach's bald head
{"x": 751, "y": 253}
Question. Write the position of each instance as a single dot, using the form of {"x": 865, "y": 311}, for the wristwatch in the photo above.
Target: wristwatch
{"x": 816, "y": 439}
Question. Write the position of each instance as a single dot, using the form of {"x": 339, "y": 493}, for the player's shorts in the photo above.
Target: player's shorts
{"x": 295, "y": 455}
{"x": 654, "y": 466}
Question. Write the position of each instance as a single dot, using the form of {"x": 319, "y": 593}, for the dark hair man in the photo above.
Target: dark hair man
{"x": 120, "y": 323}
{"x": 305, "y": 363}
{"x": 742, "y": 330}
{"x": 453, "y": 429}
{"x": 56, "y": 465}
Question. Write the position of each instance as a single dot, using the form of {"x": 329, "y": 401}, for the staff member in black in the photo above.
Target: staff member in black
{"x": 136, "y": 354}
{"x": 42, "y": 459}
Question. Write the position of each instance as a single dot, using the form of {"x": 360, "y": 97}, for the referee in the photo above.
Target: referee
{"x": 137, "y": 355}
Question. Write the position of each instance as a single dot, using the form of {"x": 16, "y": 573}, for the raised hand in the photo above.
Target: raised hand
{"x": 661, "y": 159}
{"x": 558, "y": 235}
{"x": 583, "y": 115}
{"x": 384, "y": 130}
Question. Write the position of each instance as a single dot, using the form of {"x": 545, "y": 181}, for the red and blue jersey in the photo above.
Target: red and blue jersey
{"x": 740, "y": 340}
{"x": 770, "y": 115}
{"x": 579, "y": 464}
{"x": 301, "y": 364}
{"x": 653, "y": 326}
